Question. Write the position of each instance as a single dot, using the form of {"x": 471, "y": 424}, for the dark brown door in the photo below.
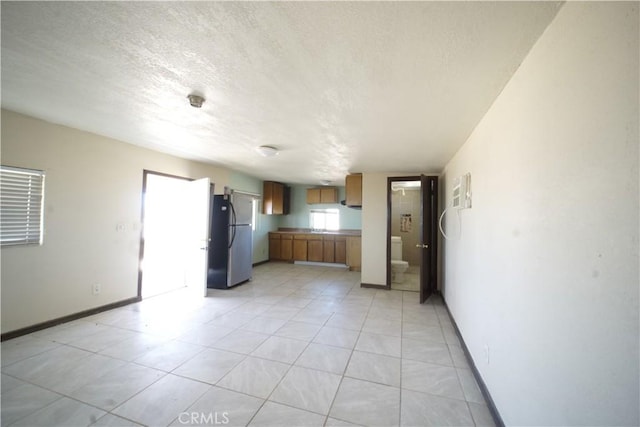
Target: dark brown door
{"x": 429, "y": 233}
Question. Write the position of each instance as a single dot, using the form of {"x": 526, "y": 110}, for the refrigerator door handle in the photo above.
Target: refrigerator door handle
{"x": 233, "y": 224}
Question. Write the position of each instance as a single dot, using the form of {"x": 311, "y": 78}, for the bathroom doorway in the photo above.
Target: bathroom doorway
{"x": 411, "y": 234}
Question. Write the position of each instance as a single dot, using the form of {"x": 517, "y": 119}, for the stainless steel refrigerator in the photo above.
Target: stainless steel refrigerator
{"x": 231, "y": 241}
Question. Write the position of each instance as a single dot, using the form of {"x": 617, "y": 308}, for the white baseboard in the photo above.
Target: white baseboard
{"x": 322, "y": 264}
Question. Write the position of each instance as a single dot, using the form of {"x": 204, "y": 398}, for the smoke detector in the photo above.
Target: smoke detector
{"x": 195, "y": 100}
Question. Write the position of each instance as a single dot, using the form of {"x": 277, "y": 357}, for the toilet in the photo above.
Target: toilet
{"x": 398, "y": 266}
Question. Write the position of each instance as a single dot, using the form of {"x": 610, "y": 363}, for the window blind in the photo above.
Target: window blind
{"x": 21, "y": 202}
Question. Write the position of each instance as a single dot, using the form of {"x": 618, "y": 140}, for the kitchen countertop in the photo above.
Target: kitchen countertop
{"x": 308, "y": 231}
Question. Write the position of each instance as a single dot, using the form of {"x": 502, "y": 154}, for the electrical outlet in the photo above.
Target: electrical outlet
{"x": 95, "y": 289}
{"x": 486, "y": 353}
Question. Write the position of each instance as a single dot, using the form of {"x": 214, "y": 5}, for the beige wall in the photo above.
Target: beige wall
{"x": 93, "y": 184}
{"x": 545, "y": 269}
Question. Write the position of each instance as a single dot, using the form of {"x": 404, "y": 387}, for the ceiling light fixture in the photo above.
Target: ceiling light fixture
{"x": 195, "y": 100}
{"x": 267, "y": 150}
{"x": 325, "y": 182}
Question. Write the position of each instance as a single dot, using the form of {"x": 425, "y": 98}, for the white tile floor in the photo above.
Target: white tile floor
{"x": 411, "y": 281}
{"x": 297, "y": 346}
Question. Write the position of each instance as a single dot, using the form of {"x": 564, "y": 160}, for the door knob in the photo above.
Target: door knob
{"x": 422, "y": 246}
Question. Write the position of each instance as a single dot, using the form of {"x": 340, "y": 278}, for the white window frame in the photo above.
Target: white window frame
{"x": 324, "y": 219}
{"x": 255, "y": 210}
{"x": 21, "y": 206}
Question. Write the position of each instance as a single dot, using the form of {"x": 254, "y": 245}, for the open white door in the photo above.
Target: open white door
{"x": 197, "y": 208}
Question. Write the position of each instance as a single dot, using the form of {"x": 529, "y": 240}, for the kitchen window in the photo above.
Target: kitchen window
{"x": 324, "y": 219}
{"x": 21, "y": 203}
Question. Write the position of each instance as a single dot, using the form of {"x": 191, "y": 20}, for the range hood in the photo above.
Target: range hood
{"x": 344, "y": 203}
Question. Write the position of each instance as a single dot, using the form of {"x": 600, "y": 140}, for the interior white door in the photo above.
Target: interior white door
{"x": 197, "y": 224}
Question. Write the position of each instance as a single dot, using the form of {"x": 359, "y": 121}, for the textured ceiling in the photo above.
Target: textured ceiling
{"x": 337, "y": 87}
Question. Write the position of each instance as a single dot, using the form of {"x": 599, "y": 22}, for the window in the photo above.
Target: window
{"x": 21, "y": 201}
{"x": 324, "y": 219}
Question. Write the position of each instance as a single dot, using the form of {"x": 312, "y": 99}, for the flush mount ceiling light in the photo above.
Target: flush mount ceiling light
{"x": 325, "y": 182}
{"x": 267, "y": 150}
{"x": 195, "y": 100}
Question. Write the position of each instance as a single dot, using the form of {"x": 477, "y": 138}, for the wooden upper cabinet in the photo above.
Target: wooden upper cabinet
{"x": 267, "y": 198}
{"x": 322, "y": 195}
{"x": 353, "y": 190}
{"x": 313, "y": 196}
{"x": 277, "y": 201}
{"x": 275, "y": 198}
{"x": 329, "y": 195}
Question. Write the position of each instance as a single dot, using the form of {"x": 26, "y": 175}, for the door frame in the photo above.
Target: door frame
{"x": 429, "y": 225}
{"x": 145, "y": 173}
{"x": 432, "y": 224}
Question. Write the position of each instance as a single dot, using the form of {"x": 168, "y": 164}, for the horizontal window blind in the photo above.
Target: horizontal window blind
{"x": 21, "y": 201}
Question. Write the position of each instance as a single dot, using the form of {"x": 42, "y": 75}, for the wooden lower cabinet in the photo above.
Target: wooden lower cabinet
{"x": 328, "y": 249}
{"x": 314, "y": 249}
{"x": 340, "y": 250}
{"x": 299, "y": 247}
{"x": 354, "y": 253}
{"x": 280, "y": 247}
{"x": 274, "y": 246}
{"x": 286, "y": 247}
{"x": 318, "y": 248}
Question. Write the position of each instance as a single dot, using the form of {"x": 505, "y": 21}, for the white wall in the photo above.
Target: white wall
{"x": 92, "y": 185}
{"x": 545, "y": 271}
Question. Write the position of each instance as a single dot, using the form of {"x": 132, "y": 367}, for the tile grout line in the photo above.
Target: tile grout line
{"x": 289, "y": 369}
{"x": 346, "y": 366}
{"x": 401, "y": 362}
{"x": 318, "y": 297}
